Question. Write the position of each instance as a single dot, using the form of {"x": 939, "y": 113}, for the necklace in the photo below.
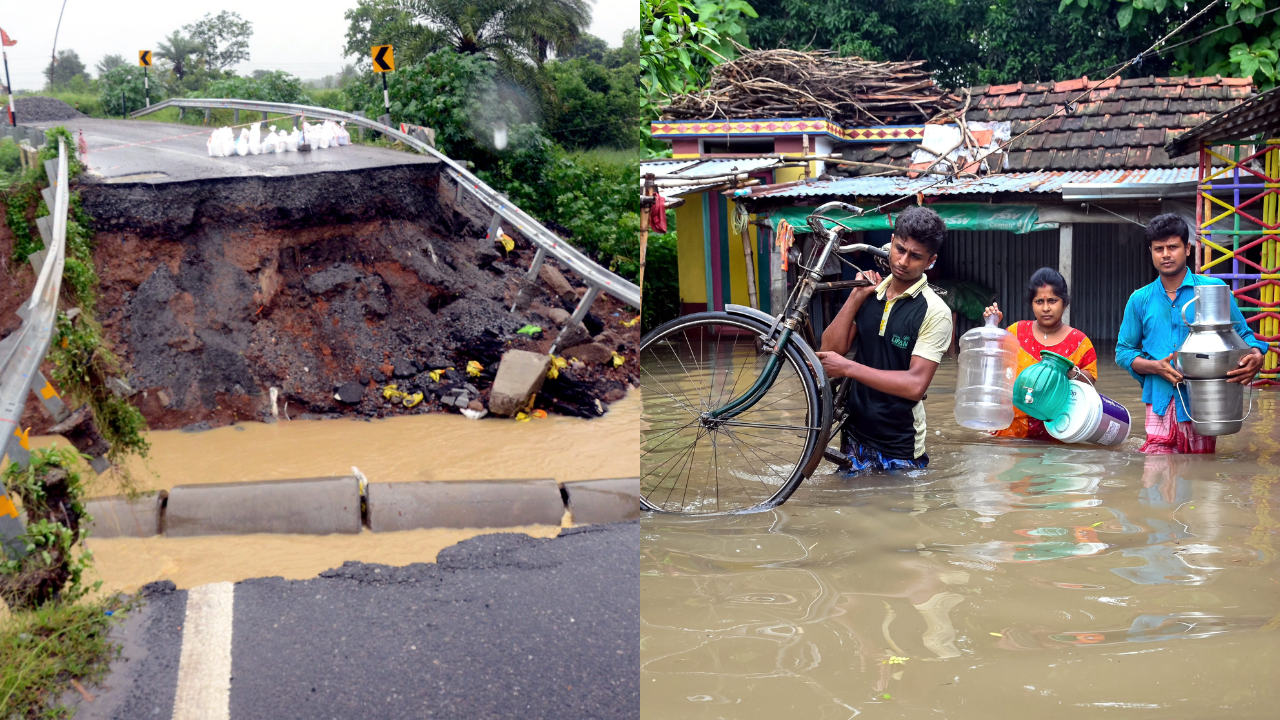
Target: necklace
{"x": 1047, "y": 334}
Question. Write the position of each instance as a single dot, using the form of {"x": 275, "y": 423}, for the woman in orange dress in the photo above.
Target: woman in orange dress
{"x": 1049, "y": 297}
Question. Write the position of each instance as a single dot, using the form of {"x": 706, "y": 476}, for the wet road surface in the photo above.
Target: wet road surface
{"x": 1009, "y": 579}
{"x": 155, "y": 153}
{"x": 501, "y": 626}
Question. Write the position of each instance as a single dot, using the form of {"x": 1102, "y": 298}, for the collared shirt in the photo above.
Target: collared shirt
{"x": 1153, "y": 328}
{"x": 935, "y": 332}
{"x": 914, "y": 323}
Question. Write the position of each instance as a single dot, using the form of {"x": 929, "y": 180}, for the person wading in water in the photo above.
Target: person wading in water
{"x": 900, "y": 328}
{"x": 1048, "y": 295}
{"x": 1153, "y": 329}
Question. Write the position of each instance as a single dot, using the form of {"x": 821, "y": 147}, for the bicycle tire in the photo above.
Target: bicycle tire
{"x": 814, "y": 431}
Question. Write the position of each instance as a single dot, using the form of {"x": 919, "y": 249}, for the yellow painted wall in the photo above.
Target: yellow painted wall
{"x": 689, "y": 246}
{"x": 737, "y": 264}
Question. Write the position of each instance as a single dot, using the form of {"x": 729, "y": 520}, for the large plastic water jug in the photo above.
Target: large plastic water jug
{"x": 1044, "y": 389}
{"x": 984, "y": 383}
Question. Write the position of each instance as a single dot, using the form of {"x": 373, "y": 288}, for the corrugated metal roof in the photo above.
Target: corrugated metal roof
{"x": 1033, "y": 182}
{"x": 711, "y": 167}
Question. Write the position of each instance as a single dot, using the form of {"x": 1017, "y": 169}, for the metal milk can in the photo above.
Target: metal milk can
{"x": 1211, "y": 350}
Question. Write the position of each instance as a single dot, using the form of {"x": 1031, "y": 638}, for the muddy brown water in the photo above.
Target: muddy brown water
{"x": 417, "y": 447}
{"x": 1008, "y": 579}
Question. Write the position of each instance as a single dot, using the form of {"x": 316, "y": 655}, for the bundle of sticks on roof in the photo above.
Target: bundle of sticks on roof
{"x": 788, "y": 83}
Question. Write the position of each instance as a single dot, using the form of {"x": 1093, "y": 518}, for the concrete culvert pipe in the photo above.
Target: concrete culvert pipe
{"x": 314, "y": 506}
{"x": 463, "y": 504}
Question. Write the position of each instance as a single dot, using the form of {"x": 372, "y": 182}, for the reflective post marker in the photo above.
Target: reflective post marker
{"x": 384, "y": 62}
{"x": 144, "y": 60}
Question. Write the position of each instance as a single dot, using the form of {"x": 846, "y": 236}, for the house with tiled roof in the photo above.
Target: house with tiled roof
{"x": 1086, "y": 168}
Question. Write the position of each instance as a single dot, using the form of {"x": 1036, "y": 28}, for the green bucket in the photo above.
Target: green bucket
{"x": 1043, "y": 390}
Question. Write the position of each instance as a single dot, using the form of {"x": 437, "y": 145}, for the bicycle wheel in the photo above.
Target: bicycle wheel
{"x": 691, "y": 463}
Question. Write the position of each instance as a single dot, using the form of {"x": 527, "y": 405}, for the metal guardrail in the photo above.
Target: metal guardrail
{"x": 598, "y": 279}
{"x": 23, "y": 350}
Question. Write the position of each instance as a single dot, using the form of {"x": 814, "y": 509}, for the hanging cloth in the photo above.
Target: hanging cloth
{"x": 658, "y": 214}
{"x": 786, "y": 237}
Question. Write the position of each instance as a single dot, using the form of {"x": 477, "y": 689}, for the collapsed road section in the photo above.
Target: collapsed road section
{"x": 358, "y": 280}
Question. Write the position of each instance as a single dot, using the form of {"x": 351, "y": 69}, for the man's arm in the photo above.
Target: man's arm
{"x": 841, "y": 330}
{"x": 909, "y": 384}
{"x": 1129, "y": 352}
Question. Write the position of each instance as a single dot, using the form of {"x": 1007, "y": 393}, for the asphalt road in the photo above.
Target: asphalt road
{"x": 501, "y": 626}
{"x": 152, "y": 152}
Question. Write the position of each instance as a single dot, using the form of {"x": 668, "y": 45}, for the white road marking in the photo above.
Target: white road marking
{"x": 204, "y": 670}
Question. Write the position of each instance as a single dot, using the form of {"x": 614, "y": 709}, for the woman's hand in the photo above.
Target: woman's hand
{"x": 993, "y": 309}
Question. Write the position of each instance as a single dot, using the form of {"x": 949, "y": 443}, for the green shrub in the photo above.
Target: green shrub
{"x": 590, "y": 105}
{"x": 128, "y": 80}
{"x": 10, "y": 156}
{"x": 661, "y": 279}
{"x": 278, "y": 86}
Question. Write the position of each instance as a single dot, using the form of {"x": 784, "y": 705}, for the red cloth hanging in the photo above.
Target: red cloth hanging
{"x": 658, "y": 215}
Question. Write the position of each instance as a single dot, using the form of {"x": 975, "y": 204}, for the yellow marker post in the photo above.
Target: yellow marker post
{"x": 384, "y": 61}
{"x": 144, "y": 61}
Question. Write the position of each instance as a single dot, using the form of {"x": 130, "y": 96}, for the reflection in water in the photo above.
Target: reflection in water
{"x": 1007, "y": 579}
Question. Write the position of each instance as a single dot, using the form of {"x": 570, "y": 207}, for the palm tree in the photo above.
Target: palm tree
{"x": 513, "y": 32}
{"x": 179, "y": 50}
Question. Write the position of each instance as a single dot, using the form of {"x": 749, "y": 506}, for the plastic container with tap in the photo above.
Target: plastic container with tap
{"x": 984, "y": 382}
{"x": 1043, "y": 390}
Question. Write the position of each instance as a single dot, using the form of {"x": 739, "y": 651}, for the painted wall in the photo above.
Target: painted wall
{"x": 689, "y": 247}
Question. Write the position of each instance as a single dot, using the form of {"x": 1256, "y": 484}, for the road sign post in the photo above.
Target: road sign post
{"x": 144, "y": 60}
{"x": 384, "y": 61}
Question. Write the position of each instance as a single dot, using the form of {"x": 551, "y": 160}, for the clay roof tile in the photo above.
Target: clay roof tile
{"x": 1170, "y": 91}
{"x": 1201, "y": 81}
{"x": 1071, "y": 85}
{"x": 1240, "y": 82}
{"x": 1004, "y": 89}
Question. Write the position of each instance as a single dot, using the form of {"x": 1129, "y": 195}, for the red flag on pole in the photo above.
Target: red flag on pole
{"x": 4, "y": 39}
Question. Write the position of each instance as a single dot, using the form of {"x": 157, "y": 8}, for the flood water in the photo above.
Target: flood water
{"x": 1009, "y": 579}
{"x": 416, "y": 447}
{"x": 437, "y": 446}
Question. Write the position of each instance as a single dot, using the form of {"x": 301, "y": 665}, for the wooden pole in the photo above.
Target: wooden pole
{"x": 646, "y": 201}
{"x": 748, "y": 259}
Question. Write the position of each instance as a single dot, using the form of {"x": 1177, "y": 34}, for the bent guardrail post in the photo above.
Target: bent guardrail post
{"x": 22, "y": 352}
{"x": 597, "y": 278}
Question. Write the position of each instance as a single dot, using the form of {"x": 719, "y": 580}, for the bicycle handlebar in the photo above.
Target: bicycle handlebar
{"x": 816, "y": 217}
{"x": 862, "y": 247}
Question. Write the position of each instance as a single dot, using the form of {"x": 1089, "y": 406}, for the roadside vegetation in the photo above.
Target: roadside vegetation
{"x": 52, "y": 640}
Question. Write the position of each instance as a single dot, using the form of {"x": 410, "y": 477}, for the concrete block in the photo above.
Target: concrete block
{"x": 120, "y": 516}
{"x": 36, "y": 137}
{"x": 603, "y": 501}
{"x": 19, "y": 133}
{"x": 520, "y": 375}
{"x": 556, "y": 281}
{"x": 313, "y": 506}
{"x": 44, "y": 224}
{"x": 463, "y": 504}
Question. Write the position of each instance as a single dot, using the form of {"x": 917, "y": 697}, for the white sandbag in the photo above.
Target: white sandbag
{"x": 210, "y": 144}
{"x": 291, "y": 142}
{"x": 255, "y": 138}
{"x": 242, "y": 143}
{"x": 344, "y": 137}
{"x": 228, "y": 142}
{"x": 269, "y": 142}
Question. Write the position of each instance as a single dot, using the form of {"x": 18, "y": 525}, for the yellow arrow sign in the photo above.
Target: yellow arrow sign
{"x": 144, "y": 58}
{"x": 383, "y": 59}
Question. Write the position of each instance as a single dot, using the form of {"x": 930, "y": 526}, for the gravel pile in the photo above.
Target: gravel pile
{"x": 33, "y": 109}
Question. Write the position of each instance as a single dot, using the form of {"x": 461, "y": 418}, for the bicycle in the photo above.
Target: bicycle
{"x": 708, "y": 449}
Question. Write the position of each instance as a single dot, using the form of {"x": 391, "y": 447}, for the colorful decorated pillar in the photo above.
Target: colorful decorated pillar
{"x": 1238, "y": 216}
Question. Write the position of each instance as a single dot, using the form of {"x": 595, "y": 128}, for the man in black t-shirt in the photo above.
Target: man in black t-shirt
{"x": 900, "y": 329}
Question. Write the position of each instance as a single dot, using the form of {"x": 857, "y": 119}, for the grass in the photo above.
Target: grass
{"x": 608, "y": 156}
{"x": 42, "y": 651}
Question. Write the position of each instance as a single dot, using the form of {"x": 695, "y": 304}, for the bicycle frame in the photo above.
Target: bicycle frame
{"x": 795, "y": 313}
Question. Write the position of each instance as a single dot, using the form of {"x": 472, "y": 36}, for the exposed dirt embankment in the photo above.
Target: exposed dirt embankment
{"x": 215, "y": 291}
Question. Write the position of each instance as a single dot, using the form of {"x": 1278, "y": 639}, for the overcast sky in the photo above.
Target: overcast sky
{"x": 305, "y": 39}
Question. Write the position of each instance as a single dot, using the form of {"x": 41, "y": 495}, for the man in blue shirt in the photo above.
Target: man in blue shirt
{"x": 1154, "y": 328}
